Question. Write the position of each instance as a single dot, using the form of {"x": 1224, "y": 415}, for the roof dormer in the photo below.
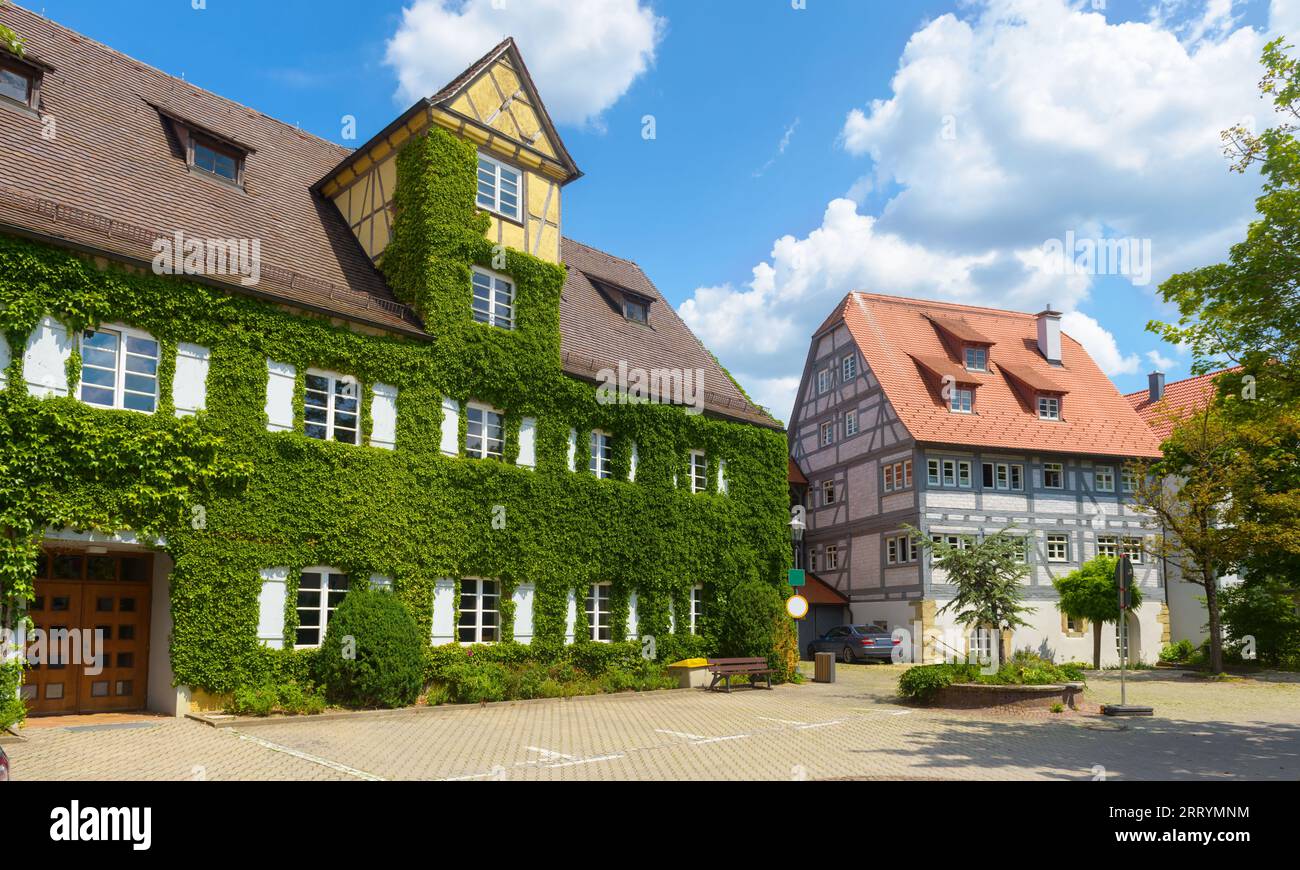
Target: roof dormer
{"x": 634, "y": 307}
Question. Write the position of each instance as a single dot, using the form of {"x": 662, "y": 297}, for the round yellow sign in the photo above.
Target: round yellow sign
{"x": 796, "y": 606}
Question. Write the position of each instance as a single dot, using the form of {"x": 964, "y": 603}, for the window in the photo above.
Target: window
{"x": 494, "y": 299}
{"x": 932, "y": 472}
{"x": 850, "y": 423}
{"x": 1021, "y": 549}
{"x": 216, "y": 159}
{"x": 979, "y": 645}
{"x": 699, "y": 468}
{"x": 1133, "y": 546}
{"x": 1075, "y": 624}
{"x": 330, "y": 408}
{"x": 832, "y": 557}
{"x": 976, "y": 359}
{"x": 1003, "y": 475}
{"x": 823, "y": 381}
{"x": 1121, "y": 640}
{"x": 828, "y": 434}
{"x": 319, "y": 592}
{"x": 1107, "y": 545}
{"x": 17, "y": 84}
{"x": 119, "y": 369}
{"x": 962, "y": 401}
{"x": 602, "y": 455}
{"x": 635, "y": 309}
{"x": 1058, "y": 547}
{"x": 849, "y": 367}
{"x": 898, "y": 475}
{"x": 498, "y": 187}
{"x": 697, "y": 606}
{"x": 479, "y": 611}
{"x": 812, "y": 559}
{"x": 599, "y": 616}
{"x": 899, "y": 550}
{"x": 961, "y": 542}
{"x": 1103, "y": 479}
{"x": 828, "y": 492}
{"x": 1049, "y": 408}
{"x": 1053, "y": 475}
{"x": 485, "y": 432}
{"x": 1128, "y": 480}
{"x": 956, "y": 472}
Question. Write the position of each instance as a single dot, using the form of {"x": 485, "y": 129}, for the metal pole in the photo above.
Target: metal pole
{"x": 1123, "y": 657}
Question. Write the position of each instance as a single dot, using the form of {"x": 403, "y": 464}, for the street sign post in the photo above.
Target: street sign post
{"x": 1123, "y": 588}
{"x": 795, "y": 577}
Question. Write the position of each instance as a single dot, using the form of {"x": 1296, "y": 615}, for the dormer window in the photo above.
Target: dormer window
{"x": 1049, "y": 408}
{"x": 977, "y": 359}
{"x": 636, "y": 310}
{"x": 214, "y": 159}
{"x": 962, "y": 401}
{"x": 206, "y": 151}
{"x": 16, "y": 84}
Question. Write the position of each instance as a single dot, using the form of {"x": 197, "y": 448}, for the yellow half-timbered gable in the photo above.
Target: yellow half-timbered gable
{"x": 495, "y": 105}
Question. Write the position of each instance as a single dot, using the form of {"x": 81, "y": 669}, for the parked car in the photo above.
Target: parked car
{"x": 4, "y": 765}
{"x": 855, "y": 643}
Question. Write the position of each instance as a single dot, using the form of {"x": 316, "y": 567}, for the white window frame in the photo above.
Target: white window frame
{"x": 832, "y": 557}
{"x": 1022, "y": 549}
{"x": 962, "y": 401}
{"x": 598, "y": 594}
{"x": 1058, "y": 540}
{"x": 699, "y": 471}
{"x": 1128, "y": 480}
{"x": 478, "y": 629}
{"x": 977, "y": 359}
{"x": 1135, "y": 547}
{"x": 601, "y": 463}
{"x": 1059, "y": 469}
{"x": 828, "y": 492}
{"x": 933, "y": 468}
{"x": 697, "y": 606}
{"x": 494, "y": 294}
{"x": 898, "y": 475}
{"x": 120, "y": 391}
{"x": 979, "y": 645}
{"x": 1103, "y": 478}
{"x": 495, "y": 205}
{"x": 828, "y": 434}
{"x": 1049, "y": 408}
{"x": 850, "y": 422}
{"x": 849, "y": 367}
{"x": 1108, "y": 545}
{"x": 899, "y": 550}
{"x": 484, "y": 452}
{"x": 333, "y": 381}
{"x": 1007, "y": 476}
{"x": 823, "y": 381}
{"x": 323, "y": 606}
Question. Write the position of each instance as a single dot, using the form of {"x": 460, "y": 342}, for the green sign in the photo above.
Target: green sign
{"x": 795, "y": 577}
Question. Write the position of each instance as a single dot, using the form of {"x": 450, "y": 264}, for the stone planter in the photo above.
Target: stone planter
{"x": 976, "y": 696}
{"x": 690, "y": 675}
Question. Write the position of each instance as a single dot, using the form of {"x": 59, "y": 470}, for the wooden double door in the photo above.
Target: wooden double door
{"x": 90, "y": 650}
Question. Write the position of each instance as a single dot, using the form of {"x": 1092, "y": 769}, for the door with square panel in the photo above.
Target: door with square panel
{"x": 103, "y": 665}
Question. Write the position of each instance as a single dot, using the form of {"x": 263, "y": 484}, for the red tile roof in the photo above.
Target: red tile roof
{"x": 794, "y": 475}
{"x": 818, "y": 591}
{"x": 892, "y": 332}
{"x": 1180, "y": 399}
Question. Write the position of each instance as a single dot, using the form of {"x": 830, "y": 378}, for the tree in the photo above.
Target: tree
{"x": 10, "y": 40}
{"x": 989, "y": 578}
{"x": 1090, "y": 593}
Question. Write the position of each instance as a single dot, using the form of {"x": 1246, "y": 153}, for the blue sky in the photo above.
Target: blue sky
{"x": 774, "y": 184}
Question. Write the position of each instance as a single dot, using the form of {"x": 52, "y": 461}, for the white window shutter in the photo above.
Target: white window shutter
{"x": 523, "y": 599}
{"x": 450, "y": 426}
{"x": 722, "y": 476}
{"x": 570, "y": 617}
{"x": 280, "y": 381}
{"x": 444, "y": 611}
{"x": 383, "y": 416}
{"x": 631, "y": 617}
{"x": 270, "y": 607}
{"x": 45, "y": 359}
{"x": 190, "y": 384}
{"x": 528, "y": 442}
{"x": 672, "y": 619}
{"x": 635, "y": 458}
{"x": 573, "y": 449}
{"x": 5, "y": 358}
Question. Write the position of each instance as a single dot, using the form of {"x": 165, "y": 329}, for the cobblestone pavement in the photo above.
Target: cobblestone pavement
{"x": 1247, "y": 729}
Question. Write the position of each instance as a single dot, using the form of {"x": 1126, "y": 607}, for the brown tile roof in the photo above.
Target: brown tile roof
{"x": 1180, "y": 399}
{"x": 818, "y": 591}
{"x": 891, "y": 332}
{"x": 794, "y": 475}
{"x": 112, "y": 182}
{"x": 597, "y": 336}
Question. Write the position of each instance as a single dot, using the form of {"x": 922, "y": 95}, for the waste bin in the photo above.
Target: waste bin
{"x": 824, "y": 667}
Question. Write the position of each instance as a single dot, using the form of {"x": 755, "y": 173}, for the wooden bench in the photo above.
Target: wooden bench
{"x": 725, "y": 669}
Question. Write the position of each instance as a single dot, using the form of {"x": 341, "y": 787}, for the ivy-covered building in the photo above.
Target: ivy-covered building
{"x": 243, "y": 370}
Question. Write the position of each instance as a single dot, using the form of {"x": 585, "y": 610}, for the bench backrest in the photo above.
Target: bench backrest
{"x": 750, "y": 662}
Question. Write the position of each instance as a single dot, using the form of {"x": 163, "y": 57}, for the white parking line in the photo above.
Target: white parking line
{"x": 547, "y": 754}
{"x": 681, "y": 734}
{"x": 306, "y": 756}
{"x": 592, "y": 760}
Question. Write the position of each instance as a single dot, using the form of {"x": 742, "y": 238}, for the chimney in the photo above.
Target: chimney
{"x": 1155, "y": 386}
{"x": 1049, "y": 334}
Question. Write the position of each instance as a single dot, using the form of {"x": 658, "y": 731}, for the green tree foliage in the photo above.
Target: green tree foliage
{"x": 373, "y": 652}
{"x": 11, "y": 41}
{"x": 1090, "y": 593}
{"x": 989, "y": 578}
{"x": 1265, "y": 611}
{"x": 752, "y": 624}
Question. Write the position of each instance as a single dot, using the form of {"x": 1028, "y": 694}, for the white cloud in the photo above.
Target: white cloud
{"x": 1013, "y": 125}
{"x": 1160, "y": 361}
{"x": 582, "y": 54}
{"x": 1099, "y": 343}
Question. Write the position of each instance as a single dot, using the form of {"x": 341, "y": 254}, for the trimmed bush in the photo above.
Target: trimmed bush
{"x": 1024, "y": 669}
{"x": 749, "y": 623}
{"x": 373, "y": 654}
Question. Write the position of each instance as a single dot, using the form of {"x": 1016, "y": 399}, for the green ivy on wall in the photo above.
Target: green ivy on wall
{"x": 413, "y": 514}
